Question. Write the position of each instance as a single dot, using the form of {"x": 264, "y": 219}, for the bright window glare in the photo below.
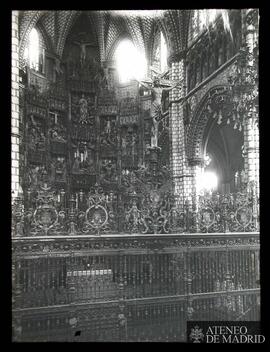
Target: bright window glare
{"x": 206, "y": 17}
{"x": 207, "y": 181}
{"x": 131, "y": 64}
{"x": 32, "y": 50}
{"x": 163, "y": 53}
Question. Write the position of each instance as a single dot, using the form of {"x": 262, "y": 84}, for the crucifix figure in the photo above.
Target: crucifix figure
{"x": 157, "y": 86}
{"x": 83, "y": 46}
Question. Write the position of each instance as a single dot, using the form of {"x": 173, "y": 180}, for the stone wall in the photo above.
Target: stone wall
{"x": 15, "y": 135}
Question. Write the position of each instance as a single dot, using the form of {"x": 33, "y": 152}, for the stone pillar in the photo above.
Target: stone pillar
{"x": 251, "y": 131}
{"x": 183, "y": 174}
{"x": 251, "y": 154}
{"x": 15, "y": 135}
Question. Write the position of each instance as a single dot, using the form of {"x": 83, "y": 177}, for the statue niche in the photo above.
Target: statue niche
{"x": 57, "y": 131}
{"x": 35, "y": 134}
{"x": 83, "y": 108}
{"x": 129, "y": 146}
{"x": 58, "y": 169}
{"x": 84, "y": 159}
{"x": 35, "y": 176}
{"x": 108, "y": 134}
{"x": 108, "y": 173}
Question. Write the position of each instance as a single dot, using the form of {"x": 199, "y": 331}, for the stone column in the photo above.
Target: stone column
{"x": 184, "y": 175}
{"x": 251, "y": 131}
{"x": 251, "y": 154}
{"x": 15, "y": 135}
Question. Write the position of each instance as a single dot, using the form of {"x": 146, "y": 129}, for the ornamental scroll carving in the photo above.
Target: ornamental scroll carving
{"x": 99, "y": 216}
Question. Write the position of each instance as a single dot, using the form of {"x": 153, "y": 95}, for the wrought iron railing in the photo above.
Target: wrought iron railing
{"x": 131, "y": 287}
{"x": 143, "y": 210}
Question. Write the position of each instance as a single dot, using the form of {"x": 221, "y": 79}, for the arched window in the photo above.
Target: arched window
{"x": 163, "y": 53}
{"x": 201, "y": 19}
{"x": 34, "y": 53}
{"x": 131, "y": 63}
{"x": 160, "y": 53}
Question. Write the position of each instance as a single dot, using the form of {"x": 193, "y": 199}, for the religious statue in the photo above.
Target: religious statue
{"x": 157, "y": 86}
{"x": 83, "y": 109}
{"x": 76, "y": 165}
{"x": 108, "y": 127}
{"x": 89, "y": 164}
{"x": 108, "y": 170}
{"x": 133, "y": 217}
{"x": 60, "y": 166}
{"x": 57, "y": 70}
{"x": 124, "y": 145}
{"x": 33, "y": 138}
{"x": 83, "y": 46}
{"x": 100, "y": 75}
{"x": 33, "y": 176}
{"x": 36, "y": 135}
{"x": 57, "y": 133}
{"x": 108, "y": 135}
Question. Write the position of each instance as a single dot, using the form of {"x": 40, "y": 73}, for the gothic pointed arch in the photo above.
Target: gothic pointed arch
{"x": 71, "y": 19}
{"x": 27, "y": 22}
{"x": 117, "y": 41}
{"x": 47, "y": 40}
{"x": 176, "y": 28}
{"x": 156, "y": 29}
{"x": 206, "y": 113}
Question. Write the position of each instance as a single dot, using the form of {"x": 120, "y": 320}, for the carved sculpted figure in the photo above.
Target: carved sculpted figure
{"x": 133, "y": 216}
{"x": 57, "y": 133}
{"x": 57, "y": 70}
{"x": 83, "y": 109}
{"x": 108, "y": 127}
{"x": 76, "y": 165}
{"x": 83, "y": 46}
{"x": 124, "y": 145}
{"x": 157, "y": 86}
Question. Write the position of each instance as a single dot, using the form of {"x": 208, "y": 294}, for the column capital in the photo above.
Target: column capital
{"x": 176, "y": 57}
